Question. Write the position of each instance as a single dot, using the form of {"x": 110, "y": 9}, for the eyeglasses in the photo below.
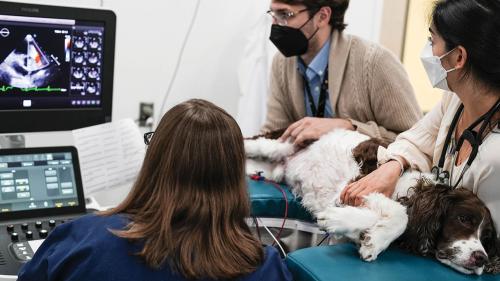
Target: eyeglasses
{"x": 282, "y": 16}
{"x": 147, "y": 137}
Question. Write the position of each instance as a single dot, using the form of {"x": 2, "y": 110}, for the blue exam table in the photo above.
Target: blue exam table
{"x": 342, "y": 262}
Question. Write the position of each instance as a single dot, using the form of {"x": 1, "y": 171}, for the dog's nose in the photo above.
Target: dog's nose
{"x": 479, "y": 258}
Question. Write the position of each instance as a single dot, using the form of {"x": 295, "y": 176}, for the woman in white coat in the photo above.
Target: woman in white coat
{"x": 459, "y": 140}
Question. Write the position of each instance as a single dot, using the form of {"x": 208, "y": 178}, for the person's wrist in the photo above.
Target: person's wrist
{"x": 395, "y": 167}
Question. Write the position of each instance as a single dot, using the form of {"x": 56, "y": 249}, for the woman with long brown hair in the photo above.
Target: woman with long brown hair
{"x": 184, "y": 218}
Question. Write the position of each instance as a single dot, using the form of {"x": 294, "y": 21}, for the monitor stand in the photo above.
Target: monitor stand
{"x": 12, "y": 141}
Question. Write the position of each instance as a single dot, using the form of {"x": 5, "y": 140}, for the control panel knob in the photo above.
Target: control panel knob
{"x": 10, "y": 227}
{"x": 14, "y": 236}
{"x": 43, "y": 233}
{"x": 24, "y": 226}
{"x": 52, "y": 223}
{"x": 29, "y": 234}
{"x": 38, "y": 224}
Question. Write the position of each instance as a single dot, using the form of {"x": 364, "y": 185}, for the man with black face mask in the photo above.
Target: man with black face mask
{"x": 324, "y": 79}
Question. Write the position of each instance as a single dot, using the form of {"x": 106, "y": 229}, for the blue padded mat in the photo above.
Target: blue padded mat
{"x": 342, "y": 262}
{"x": 267, "y": 201}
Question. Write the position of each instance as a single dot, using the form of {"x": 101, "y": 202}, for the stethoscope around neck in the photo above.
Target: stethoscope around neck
{"x": 473, "y": 137}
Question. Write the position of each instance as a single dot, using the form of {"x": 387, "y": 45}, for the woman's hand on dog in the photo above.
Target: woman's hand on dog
{"x": 311, "y": 128}
{"x": 382, "y": 180}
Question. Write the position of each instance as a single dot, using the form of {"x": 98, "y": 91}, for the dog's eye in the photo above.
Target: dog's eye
{"x": 464, "y": 219}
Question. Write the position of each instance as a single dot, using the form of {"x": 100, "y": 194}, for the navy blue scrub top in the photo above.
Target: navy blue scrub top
{"x": 84, "y": 249}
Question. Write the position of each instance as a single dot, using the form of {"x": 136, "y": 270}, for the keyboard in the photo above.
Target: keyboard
{"x": 40, "y": 189}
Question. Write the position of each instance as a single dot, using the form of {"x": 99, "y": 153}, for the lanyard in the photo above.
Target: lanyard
{"x": 320, "y": 110}
{"x": 473, "y": 137}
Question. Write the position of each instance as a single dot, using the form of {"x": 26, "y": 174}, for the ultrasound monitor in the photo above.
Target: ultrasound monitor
{"x": 56, "y": 67}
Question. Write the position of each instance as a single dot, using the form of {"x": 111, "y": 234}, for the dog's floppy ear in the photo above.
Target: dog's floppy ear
{"x": 365, "y": 154}
{"x": 489, "y": 238}
{"x": 426, "y": 208}
{"x": 491, "y": 244}
{"x": 493, "y": 265}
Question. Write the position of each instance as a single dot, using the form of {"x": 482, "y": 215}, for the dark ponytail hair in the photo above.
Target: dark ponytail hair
{"x": 475, "y": 25}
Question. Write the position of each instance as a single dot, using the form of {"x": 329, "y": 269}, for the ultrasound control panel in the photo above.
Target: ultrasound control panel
{"x": 40, "y": 188}
{"x": 35, "y": 181}
{"x": 24, "y": 238}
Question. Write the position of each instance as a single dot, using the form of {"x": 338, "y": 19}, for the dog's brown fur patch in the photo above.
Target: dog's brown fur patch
{"x": 272, "y": 135}
{"x": 366, "y": 155}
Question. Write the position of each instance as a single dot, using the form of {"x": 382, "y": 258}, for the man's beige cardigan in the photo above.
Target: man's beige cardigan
{"x": 367, "y": 85}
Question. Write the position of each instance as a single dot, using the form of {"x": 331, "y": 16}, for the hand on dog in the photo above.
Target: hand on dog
{"x": 382, "y": 180}
{"x": 312, "y": 128}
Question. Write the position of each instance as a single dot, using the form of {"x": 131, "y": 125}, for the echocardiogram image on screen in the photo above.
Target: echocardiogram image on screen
{"x": 33, "y": 60}
{"x": 50, "y": 63}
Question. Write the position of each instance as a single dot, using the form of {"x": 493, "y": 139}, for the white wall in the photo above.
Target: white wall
{"x": 364, "y": 18}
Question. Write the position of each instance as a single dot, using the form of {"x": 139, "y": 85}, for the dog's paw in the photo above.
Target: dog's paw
{"x": 368, "y": 253}
{"x": 368, "y": 250}
{"x": 334, "y": 220}
{"x": 325, "y": 222}
{"x": 374, "y": 241}
{"x": 347, "y": 220}
{"x": 493, "y": 266}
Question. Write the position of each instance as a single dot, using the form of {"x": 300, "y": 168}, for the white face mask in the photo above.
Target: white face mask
{"x": 435, "y": 70}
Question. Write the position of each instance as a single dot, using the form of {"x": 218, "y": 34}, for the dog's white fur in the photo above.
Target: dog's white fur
{"x": 466, "y": 248}
{"x": 321, "y": 171}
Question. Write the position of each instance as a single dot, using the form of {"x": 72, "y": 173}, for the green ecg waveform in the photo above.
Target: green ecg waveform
{"x": 6, "y": 88}
{"x": 32, "y": 89}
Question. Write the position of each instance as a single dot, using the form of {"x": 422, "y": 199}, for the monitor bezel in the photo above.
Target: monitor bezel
{"x": 38, "y": 120}
{"x": 14, "y": 215}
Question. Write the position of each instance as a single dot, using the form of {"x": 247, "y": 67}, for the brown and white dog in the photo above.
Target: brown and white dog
{"x": 425, "y": 218}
